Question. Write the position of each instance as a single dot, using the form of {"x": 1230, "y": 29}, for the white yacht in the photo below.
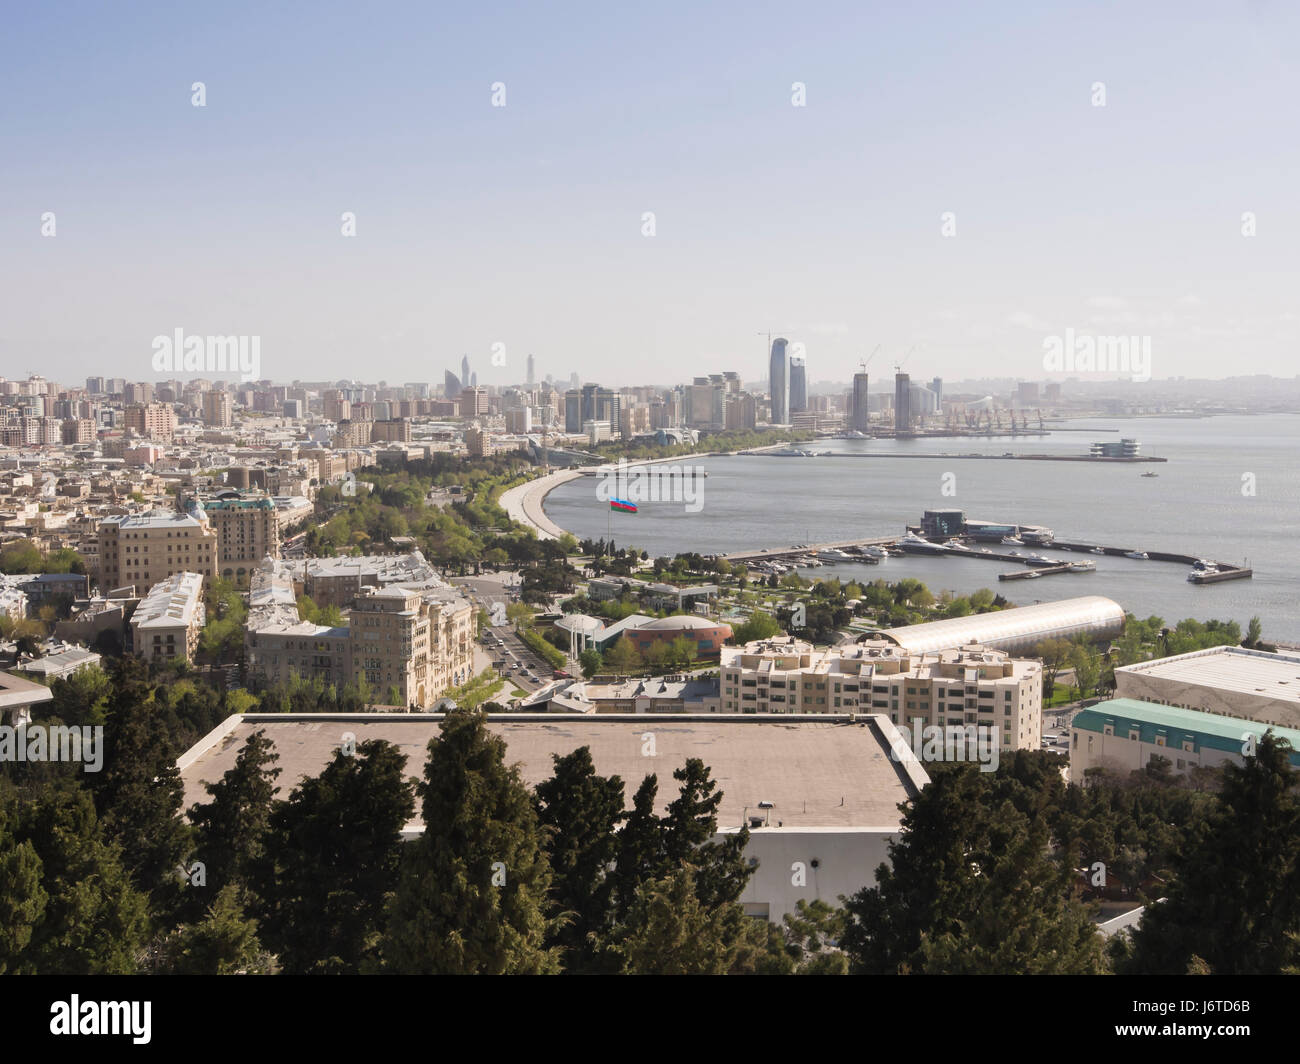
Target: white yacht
{"x": 1012, "y": 541}
{"x": 831, "y": 554}
{"x": 1138, "y": 555}
{"x": 915, "y": 544}
{"x": 875, "y": 552}
{"x": 956, "y": 544}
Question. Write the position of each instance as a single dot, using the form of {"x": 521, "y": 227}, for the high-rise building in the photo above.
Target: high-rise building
{"x": 451, "y": 385}
{"x": 532, "y": 370}
{"x": 573, "y": 410}
{"x": 798, "y": 385}
{"x": 157, "y": 421}
{"x": 779, "y": 382}
{"x": 218, "y": 410}
{"x": 473, "y": 402}
{"x": 464, "y": 370}
{"x": 936, "y": 386}
{"x": 902, "y": 402}
{"x": 859, "y": 412}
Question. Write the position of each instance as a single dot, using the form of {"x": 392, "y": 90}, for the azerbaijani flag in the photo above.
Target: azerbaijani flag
{"x": 622, "y": 504}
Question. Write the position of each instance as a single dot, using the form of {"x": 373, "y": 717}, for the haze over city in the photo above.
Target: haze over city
{"x": 802, "y": 166}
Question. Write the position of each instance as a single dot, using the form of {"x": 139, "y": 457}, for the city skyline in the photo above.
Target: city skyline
{"x": 923, "y": 197}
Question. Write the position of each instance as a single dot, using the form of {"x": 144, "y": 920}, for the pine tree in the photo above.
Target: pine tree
{"x": 691, "y": 821}
{"x": 579, "y": 812}
{"x": 233, "y": 828}
{"x": 224, "y": 942}
{"x": 94, "y": 922}
{"x": 139, "y": 793}
{"x": 1235, "y": 904}
{"x": 337, "y": 843}
{"x": 474, "y": 885}
{"x": 640, "y": 850}
{"x": 22, "y": 898}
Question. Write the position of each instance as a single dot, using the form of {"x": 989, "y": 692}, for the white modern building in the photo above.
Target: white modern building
{"x": 1228, "y": 681}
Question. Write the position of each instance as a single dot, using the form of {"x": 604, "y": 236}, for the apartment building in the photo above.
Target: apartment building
{"x": 143, "y": 549}
{"x": 78, "y": 430}
{"x": 156, "y": 421}
{"x": 248, "y": 530}
{"x": 218, "y": 409}
{"x": 167, "y": 622}
{"x": 353, "y": 434}
{"x": 412, "y": 643}
{"x": 967, "y": 685}
{"x": 391, "y": 430}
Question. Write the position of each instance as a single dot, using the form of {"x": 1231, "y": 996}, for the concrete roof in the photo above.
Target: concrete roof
{"x": 1252, "y": 672}
{"x": 15, "y": 691}
{"x": 819, "y": 771}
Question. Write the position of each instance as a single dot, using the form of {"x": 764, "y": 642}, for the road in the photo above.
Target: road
{"x": 500, "y": 642}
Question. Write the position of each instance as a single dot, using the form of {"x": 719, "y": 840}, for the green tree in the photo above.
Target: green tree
{"x": 1234, "y": 904}
{"x": 623, "y": 656}
{"x": 94, "y": 921}
{"x": 474, "y": 885}
{"x": 590, "y": 661}
{"x": 234, "y": 828}
{"x": 337, "y": 843}
{"x": 138, "y": 793}
{"x": 1086, "y": 664}
{"x": 760, "y": 625}
{"x": 1254, "y": 633}
{"x": 224, "y": 942}
{"x": 579, "y": 812}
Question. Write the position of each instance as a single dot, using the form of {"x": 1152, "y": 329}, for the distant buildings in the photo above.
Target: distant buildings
{"x": 902, "y": 403}
{"x": 860, "y": 409}
{"x": 779, "y": 382}
{"x": 218, "y": 409}
{"x": 798, "y": 385}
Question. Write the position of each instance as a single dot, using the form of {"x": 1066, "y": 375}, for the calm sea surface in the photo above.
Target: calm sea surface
{"x": 1198, "y": 505}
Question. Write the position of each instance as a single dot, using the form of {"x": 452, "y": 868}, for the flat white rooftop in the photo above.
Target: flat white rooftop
{"x": 1235, "y": 669}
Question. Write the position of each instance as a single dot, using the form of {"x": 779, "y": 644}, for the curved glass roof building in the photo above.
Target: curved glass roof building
{"x": 1016, "y": 630}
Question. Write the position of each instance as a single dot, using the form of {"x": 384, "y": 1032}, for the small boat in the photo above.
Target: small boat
{"x": 1039, "y": 558}
{"x": 875, "y": 552}
{"x": 1150, "y": 474}
{"x": 833, "y": 555}
{"x": 1197, "y": 575}
{"x": 1097, "y": 550}
{"x": 954, "y": 544}
{"x": 1081, "y": 567}
{"x": 1138, "y": 555}
{"x": 1012, "y": 541}
{"x": 1033, "y": 574}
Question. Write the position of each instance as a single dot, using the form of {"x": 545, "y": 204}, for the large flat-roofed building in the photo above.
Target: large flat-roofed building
{"x": 167, "y": 622}
{"x": 1019, "y": 629}
{"x": 1124, "y": 734}
{"x": 143, "y": 549}
{"x": 971, "y": 685}
{"x": 1228, "y": 681}
{"x": 826, "y": 791}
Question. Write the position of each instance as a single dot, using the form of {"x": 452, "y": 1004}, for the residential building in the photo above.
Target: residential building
{"x": 970, "y": 685}
{"x": 167, "y": 622}
{"x": 248, "y": 530}
{"x": 143, "y": 549}
{"x": 156, "y": 421}
{"x": 218, "y": 409}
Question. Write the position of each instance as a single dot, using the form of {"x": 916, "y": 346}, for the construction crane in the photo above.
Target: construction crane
{"x": 864, "y": 362}
{"x": 898, "y": 366}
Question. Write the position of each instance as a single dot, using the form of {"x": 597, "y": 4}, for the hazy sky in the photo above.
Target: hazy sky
{"x": 522, "y": 225}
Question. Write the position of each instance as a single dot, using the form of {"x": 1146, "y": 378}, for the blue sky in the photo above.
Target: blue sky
{"x": 522, "y": 225}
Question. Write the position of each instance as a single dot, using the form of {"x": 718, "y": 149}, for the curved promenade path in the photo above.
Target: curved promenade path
{"x": 524, "y": 503}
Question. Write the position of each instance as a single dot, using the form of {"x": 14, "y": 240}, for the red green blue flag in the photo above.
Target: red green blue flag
{"x": 622, "y": 504}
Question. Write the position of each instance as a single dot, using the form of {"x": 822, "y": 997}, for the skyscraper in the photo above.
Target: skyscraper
{"x": 464, "y": 370}
{"x": 798, "y": 385}
{"x": 779, "y": 382}
{"x": 859, "y": 414}
{"x": 451, "y": 384}
{"x": 532, "y": 368}
{"x": 902, "y": 402}
{"x": 936, "y": 386}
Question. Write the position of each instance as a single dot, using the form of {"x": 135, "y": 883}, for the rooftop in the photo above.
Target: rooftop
{"x": 817, "y": 772}
{"x": 172, "y": 602}
{"x": 1237, "y": 669}
{"x": 1178, "y": 725}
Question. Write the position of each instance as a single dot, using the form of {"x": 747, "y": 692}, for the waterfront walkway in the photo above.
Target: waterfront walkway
{"x": 524, "y": 503}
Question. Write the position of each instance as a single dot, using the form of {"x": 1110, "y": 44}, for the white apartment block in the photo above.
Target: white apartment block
{"x": 968, "y": 685}
{"x": 167, "y": 622}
